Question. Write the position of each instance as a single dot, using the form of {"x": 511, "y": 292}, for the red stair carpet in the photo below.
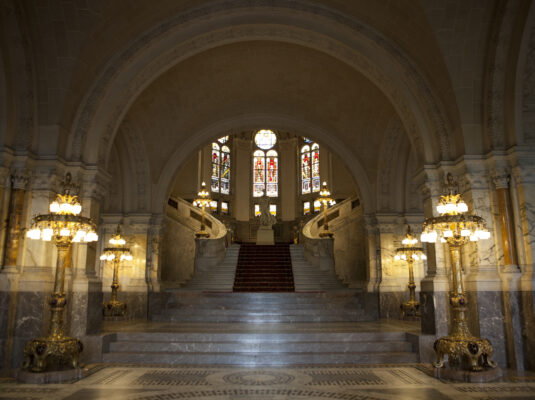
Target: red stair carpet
{"x": 264, "y": 268}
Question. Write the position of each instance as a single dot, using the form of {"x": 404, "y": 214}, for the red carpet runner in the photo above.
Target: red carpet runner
{"x": 264, "y": 269}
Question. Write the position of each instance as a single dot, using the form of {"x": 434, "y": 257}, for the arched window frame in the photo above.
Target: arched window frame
{"x": 265, "y": 167}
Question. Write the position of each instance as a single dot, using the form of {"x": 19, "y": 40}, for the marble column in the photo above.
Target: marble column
{"x": 482, "y": 282}
{"x": 506, "y": 221}
{"x": 393, "y": 277}
{"x": 11, "y": 256}
{"x": 523, "y": 184}
{"x": 14, "y": 222}
{"x": 374, "y": 266}
{"x": 434, "y": 295}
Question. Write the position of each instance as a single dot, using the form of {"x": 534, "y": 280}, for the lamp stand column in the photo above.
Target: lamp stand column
{"x": 411, "y": 307}
{"x": 56, "y": 349}
{"x": 114, "y": 307}
{"x": 202, "y": 232}
{"x": 460, "y": 345}
{"x": 325, "y": 232}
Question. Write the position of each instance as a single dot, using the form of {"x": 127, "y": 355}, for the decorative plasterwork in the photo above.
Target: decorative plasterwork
{"x": 22, "y": 73}
{"x": 528, "y": 92}
{"x": 301, "y": 10}
{"x": 139, "y": 164}
{"x": 392, "y": 142}
{"x": 499, "y": 47}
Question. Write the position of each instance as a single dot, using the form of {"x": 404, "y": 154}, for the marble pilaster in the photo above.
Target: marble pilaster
{"x": 434, "y": 296}
{"x": 480, "y": 261}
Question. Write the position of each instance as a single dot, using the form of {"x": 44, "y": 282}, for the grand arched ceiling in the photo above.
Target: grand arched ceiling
{"x": 260, "y": 77}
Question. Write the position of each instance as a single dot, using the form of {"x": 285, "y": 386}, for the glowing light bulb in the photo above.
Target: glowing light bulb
{"x": 397, "y": 257}
{"x": 76, "y": 209}
{"x": 462, "y": 207}
{"x": 415, "y": 256}
{"x": 465, "y": 232}
{"x": 103, "y": 257}
{"x": 423, "y": 257}
{"x": 448, "y": 233}
{"x": 441, "y": 208}
{"x": 403, "y": 257}
{"x": 65, "y": 232}
{"x": 54, "y": 207}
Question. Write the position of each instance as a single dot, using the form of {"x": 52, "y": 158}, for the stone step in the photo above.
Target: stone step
{"x": 259, "y": 347}
{"x": 260, "y": 358}
{"x": 259, "y": 319}
{"x": 255, "y": 334}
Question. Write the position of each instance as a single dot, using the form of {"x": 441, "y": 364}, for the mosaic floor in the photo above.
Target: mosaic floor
{"x": 397, "y": 382}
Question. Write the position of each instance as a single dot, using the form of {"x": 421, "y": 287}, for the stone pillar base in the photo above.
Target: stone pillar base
{"x": 40, "y": 378}
{"x": 487, "y": 375}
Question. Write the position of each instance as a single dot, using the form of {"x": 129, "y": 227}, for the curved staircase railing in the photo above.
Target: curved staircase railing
{"x": 320, "y": 251}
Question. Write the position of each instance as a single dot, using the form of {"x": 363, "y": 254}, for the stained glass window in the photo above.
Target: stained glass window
{"x": 225, "y": 170}
{"x": 306, "y": 207}
{"x": 273, "y": 209}
{"x": 272, "y": 164}
{"x": 224, "y": 207}
{"x": 317, "y": 206}
{"x": 256, "y": 210}
{"x": 221, "y": 166}
{"x": 213, "y": 205}
{"x": 215, "y": 167}
{"x": 265, "y": 165}
{"x": 305, "y": 169}
{"x": 265, "y": 139}
{"x": 315, "y": 167}
{"x": 259, "y": 173}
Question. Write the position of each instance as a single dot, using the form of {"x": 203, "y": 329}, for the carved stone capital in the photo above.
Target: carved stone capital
{"x": 19, "y": 179}
{"x": 501, "y": 181}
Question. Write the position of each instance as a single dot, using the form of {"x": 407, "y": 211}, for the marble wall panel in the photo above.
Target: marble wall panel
{"x": 489, "y": 320}
{"x": 528, "y": 327}
{"x": 390, "y": 304}
{"x": 434, "y": 310}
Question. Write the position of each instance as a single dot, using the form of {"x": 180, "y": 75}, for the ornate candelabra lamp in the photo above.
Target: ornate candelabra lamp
{"x": 410, "y": 253}
{"x": 456, "y": 228}
{"x": 116, "y": 253}
{"x": 325, "y": 199}
{"x": 63, "y": 225}
{"x": 202, "y": 201}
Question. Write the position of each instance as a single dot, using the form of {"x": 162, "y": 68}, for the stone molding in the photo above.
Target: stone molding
{"x": 502, "y": 27}
{"x": 102, "y": 86}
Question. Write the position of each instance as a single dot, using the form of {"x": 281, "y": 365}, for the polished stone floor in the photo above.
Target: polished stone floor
{"x": 383, "y": 325}
{"x": 385, "y": 382}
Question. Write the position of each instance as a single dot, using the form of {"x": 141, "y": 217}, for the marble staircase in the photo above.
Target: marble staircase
{"x": 262, "y": 307}
{"x": 217, "y": 278}
{"x": 310, "y": 278}
{"x": 260, "y": 347}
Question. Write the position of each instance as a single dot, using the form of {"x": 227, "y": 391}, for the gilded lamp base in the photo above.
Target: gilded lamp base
{"x": 114, "y": 308}
{"x": 410, "y": 309}
{"x": 473, "y": 351}
{"x": 326, "y": 234}
{"x": 52, "y": 353}
{"x": 202, "y": 234}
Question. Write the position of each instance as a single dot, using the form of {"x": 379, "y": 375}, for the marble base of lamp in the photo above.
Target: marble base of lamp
{"x": 461, "y": 375}
{"x": 41, "y": 378}
{"x": 410, "y": 310}
{"x": 114, "y": 309}
{"x": 52, "y": 353}
{"x": 265, "y": 235}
